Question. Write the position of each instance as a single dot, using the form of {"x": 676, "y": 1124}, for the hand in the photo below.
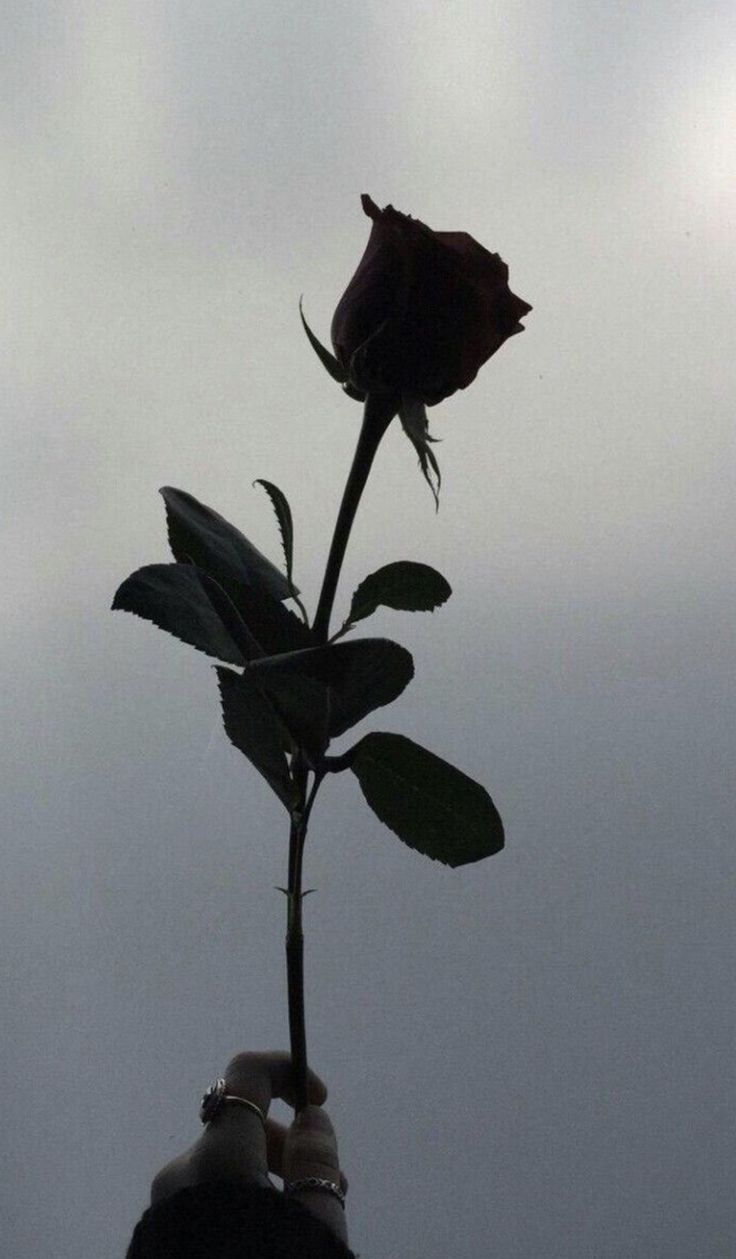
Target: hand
{"x": 309, "y": 1148}
{"x": 234, "y": 1146}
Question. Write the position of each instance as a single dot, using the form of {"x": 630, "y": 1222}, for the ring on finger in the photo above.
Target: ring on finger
{"x": 216, "y": 1097}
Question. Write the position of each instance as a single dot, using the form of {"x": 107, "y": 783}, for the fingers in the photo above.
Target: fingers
{"x": 234, "y": 1145}
{"x": 262, "y": 1076}
{"x": 310, "y": 1147}
{"x": 235, "y": 1142}
{"x": 275, "y": 1137}
{"x": 310, "y": 1153}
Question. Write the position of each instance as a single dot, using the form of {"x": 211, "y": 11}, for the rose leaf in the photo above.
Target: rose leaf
{"x": 281, "y": 507}
{"x": 201, "y": 536}
{"x": 254, "y": 729}
{"x": 430, "y": 805}
{"x": 173, "y": 597}
{"x": 404, "y": 585}
{"x": 360, "y": 676}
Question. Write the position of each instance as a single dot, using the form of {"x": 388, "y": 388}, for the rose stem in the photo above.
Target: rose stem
{"x": 294, "y": 933}
{"x": 378, "y": 411}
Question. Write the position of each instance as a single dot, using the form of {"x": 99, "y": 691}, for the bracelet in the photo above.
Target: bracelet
{"x": 315, "y": 1182}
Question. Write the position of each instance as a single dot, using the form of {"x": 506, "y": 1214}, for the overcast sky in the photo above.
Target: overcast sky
{"x": 528, "y": 1057}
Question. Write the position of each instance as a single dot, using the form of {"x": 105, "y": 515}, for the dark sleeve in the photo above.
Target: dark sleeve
{"x": 229, "y": 1221}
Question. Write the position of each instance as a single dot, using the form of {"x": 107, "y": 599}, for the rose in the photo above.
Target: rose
{"x": 421, "y": 315}
{"x": 423, "y": 311}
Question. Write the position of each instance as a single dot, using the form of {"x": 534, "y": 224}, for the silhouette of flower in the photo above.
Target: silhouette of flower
{"x": 423, "y": 311}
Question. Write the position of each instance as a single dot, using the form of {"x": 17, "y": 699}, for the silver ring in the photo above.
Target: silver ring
{"x": 216, "y": 1097}
{"x": 315, "y": 1182}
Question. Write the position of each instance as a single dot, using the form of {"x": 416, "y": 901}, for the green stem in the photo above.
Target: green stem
{"x": 295, "y": 935}
{"x": 378, "y": 412}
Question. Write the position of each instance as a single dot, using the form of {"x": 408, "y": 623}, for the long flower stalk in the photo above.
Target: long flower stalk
{"x": 295, "y": 935}
{"x": 379, "y": 410}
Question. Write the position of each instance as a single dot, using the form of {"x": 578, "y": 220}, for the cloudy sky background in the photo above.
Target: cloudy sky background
{"x": 532, "y": 1056}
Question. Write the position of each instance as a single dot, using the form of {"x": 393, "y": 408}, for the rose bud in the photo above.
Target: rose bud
{"x": 423, "y": 311}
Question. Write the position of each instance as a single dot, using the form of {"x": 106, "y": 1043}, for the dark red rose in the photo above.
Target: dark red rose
{"x": 423, "y": 311}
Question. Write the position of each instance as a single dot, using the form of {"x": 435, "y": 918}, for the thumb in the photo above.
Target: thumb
{"x": 310, "y": 1147}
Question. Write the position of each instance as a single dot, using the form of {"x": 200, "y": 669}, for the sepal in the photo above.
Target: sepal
{"x": 413, "y": 416}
